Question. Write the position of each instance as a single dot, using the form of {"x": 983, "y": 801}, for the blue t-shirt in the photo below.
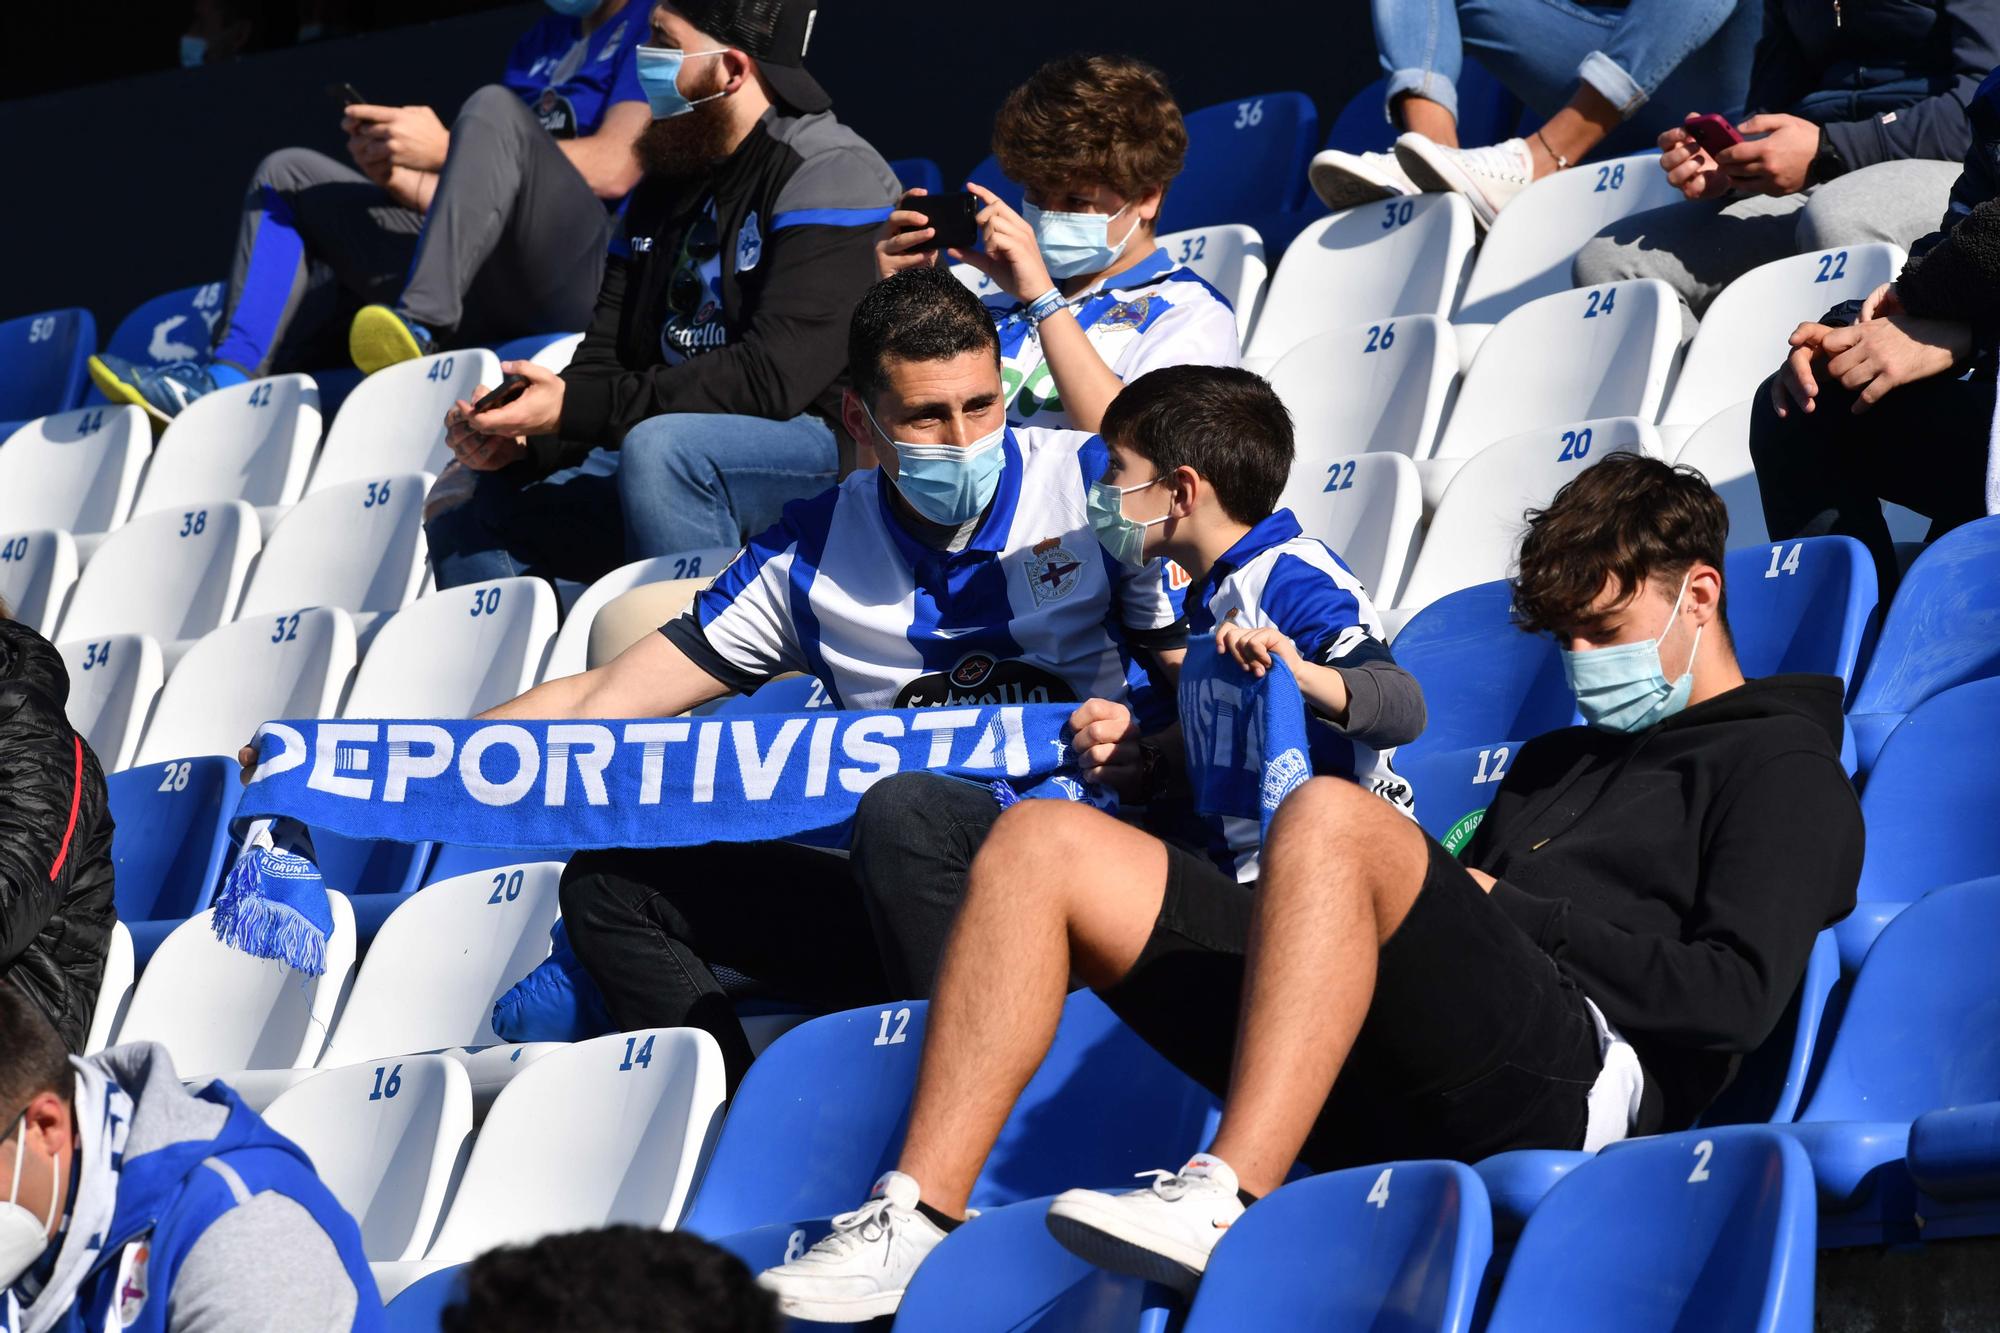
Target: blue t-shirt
{"x": 569, "y": 89}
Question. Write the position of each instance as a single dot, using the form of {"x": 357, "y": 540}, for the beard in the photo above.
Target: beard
{"x": 685, "y": 145}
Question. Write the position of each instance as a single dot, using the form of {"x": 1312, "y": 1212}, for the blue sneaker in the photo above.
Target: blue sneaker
{"x": 164, "y": 391}
{"x": 380, "y": 338}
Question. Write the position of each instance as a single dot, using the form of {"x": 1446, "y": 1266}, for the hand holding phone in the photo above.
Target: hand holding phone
{"x": 952, "y": 215}
{"x": 512, "y": 387}
{"x": 1714, "y": 133}
{"x": 346, "y": 94}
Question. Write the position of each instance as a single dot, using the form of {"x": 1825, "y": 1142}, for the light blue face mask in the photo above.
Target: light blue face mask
{"x": 573, "y": 9}
{"x": 948, "y": 484}
{"x": 659, "y": 70}
{"x": 1623, "y": 688}
{"x": 1125, "y": 538}
{"x": 1073, "y": 243}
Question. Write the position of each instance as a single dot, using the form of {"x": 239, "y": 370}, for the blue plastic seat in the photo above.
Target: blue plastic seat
{"x": 1246, "y": 160}
{"x": 170, "y": 842}
{"x": 1710, "y": 1229}
{"x": 177, "y": 326}
{"x": 374, "y": 874}
{"x": 1954, "y": 1162}
{"x": 918, "y": 173}
{"x": 787, "y": 694}
{"x": 524, "y": 348}
{"x": 1397, "y": 1246}
{"x": 988, "y": 174}
{"x": 1487, "y": 113}
{"x": 1942, "y": 629}
{"x": 42, "y": 363}
{"x": 419, "y": 1307}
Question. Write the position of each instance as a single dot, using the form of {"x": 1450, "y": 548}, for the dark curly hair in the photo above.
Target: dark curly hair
{"x": 919, "y": 314}
{"x": 621, "y": 1279}
{"x": 1092, "y": 118}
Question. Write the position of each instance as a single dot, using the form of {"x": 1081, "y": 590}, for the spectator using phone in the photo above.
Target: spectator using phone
{"x": 436, "y": 237}
{"x": 1088, "y": 299}
{"x": 1859, "y": 122}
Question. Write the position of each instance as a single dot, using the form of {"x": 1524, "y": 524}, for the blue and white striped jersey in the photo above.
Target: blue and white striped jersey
{"x": 1278, "y": 577}
{"x": 1032, "y": 610}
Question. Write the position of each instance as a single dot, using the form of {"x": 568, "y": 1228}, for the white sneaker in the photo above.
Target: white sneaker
{"x": 1488, "y": 177}
{"x": 861, "y": 1270}
{"x": 1342, "y": 180}
{"x": 1163, "y": 1233}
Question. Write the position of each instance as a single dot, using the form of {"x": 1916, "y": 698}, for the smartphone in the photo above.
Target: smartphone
{"x": 510, "y": 388}
{"x": 952, "y": 214}
{"x": 344, "y": 93}
{"x": 1714, "y": 133}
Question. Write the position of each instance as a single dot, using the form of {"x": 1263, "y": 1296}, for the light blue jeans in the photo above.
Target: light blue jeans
{"x": 1656, "y": 60}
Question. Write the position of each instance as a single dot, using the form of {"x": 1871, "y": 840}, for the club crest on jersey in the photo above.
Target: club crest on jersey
{"x": 749, "y": 244}
{"x": 1053, "y": 572}
{"x": 1129, "y": 314}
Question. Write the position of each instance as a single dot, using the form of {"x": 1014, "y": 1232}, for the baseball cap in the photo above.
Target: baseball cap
{"x": 776, "y": 32}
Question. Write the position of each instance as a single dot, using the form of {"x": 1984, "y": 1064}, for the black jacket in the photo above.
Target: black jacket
{"x": 1679, "y": 876}
{"x": 55, "y": 840}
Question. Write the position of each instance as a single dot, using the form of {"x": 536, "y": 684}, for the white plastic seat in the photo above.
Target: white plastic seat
{"x": 1369, "y": 388}
{"x": 1368, "y": 508}
{"x": 393, "y": 423}
{"x": 237, "y": 677}
{"x": 442, "y": 958}
{"x": 388, "y": 1139}
{"x": 114, "y": 991}
{"x": 1741, "y": 340}
{"x": 218, "y": 1010}
{"x": 571, "y": 652}
{"x": 1393, "y": 257}
{"x": 37, "y": 575}
{"x": 1533, "y": 243}
{"x": 75, "y": 470}
{"x": 174, "y": 574}
{"x": 556, "y": 356}
{"x": 456, "y": 652}
{"x": 1230, "y": 258}
{"x": 635, "y": 613}
{"x": 1720, "y": 448}
{"x": 1478, "y": 525}
{"x": 358, "y": 546}
{"x": 252, "y": 441}
{"x": 112, "y": 684}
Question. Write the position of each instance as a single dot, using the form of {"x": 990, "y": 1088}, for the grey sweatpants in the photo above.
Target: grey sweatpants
{"x": 1700, "y": 248}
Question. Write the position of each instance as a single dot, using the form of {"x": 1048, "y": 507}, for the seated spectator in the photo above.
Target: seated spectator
{"x": 489, "y": 230}
{"x": 137, "y": 1204}
{"x": 715, "y": 360}
{"x": 1869, "y": 376}
{"x": 1632, "y": 918}
{"x": 1860, "y": 123}
{"x": 962, "y": 570}
{"x": 621, "y": 1279}
{"x": 1089, "y": 300}
{"x": 1605, "y": 74}
{"x": 55, "y": 841}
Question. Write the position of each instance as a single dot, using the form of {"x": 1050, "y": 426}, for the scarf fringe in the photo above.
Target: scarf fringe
{"x": 248, "y": 919}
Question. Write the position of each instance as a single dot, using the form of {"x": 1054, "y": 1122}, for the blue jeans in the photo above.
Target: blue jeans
{"x": 682, "y": 482}
{"x": 1656, "y": 60}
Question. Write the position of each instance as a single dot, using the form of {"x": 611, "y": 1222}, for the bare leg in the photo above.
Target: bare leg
{"x": 1340, "y": 870}
{"x": 1574, "y": 130}
{"x": 1422, "y": 116}
{"x": 1057, "y": 890}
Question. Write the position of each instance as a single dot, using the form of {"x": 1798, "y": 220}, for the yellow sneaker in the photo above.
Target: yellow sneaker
{"x": 380, "y": 338}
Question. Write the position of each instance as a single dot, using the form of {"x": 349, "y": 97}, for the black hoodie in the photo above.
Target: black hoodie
{"x": 1679, "y": 875}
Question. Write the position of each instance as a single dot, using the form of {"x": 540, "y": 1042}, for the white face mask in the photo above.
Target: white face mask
{"x": 23, "y": 1237}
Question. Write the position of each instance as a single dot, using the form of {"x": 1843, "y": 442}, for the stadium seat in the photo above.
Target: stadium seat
{"x": 1454, "y": 786}
{"x": 42, "y": 362}
{"x": 78, "y": 471}
{"x": 171, "y": 841}
{"x": 112, "y": 684}
{"x": 1487, "y": 113}
{"x": 535, "y": 346}
{"x": 114, "y": 991}
{"x": 177, "y": 326}
{"x": 394, "y": 423}
{"x": 252, "y": 441}
{"x": 1719, "y": 448}
{"x": 456, "y": 652}
{"x": 1479, "y": 520}
{"x": 411, "y": 994}
{"x": 244, "y": 674}
{"x": 1230, "y": 258}
{"x": 37, "y": 575}
{"x": 1401, "y": 1245}
{"x": 1707, "y": 1229}
{"x": 989, "y": 175}
{"x": 1379, "y": 387}
{"x": 175, "y": 574}
{"x": 1246, "y": 158}
{"x": 389, "y": 1140}
{"x": 918, "y": 173}
{"x": 635, "y": 613}
{"x": 1529, "y": 251}
{"x": 420, "y": 1307}
{"x": 1368, "y": 508}
{"x": 1397, "y": 257}
{"x": 781, "y": 694}
{"x": 1483, "y": 679}
{"x": 556, "y": 354}
{"x": 1802, "y": 605}
{"x": 606, "y": 1131}
{"x": 571, "y": 651}
{"x": 218, "y": 1010}
{"x": 358, "y": 546}
{"x": 1942, "y": 629}
{"x": 1742, "y": 336}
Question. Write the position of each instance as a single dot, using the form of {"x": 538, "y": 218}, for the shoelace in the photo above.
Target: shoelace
{"x": 1495, "y": 161}
{"x": 864, "y": 1226}
{"x": 1171, "y": 1186}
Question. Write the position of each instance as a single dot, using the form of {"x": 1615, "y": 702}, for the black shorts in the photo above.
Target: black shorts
{"x": 1474, "y": 1043}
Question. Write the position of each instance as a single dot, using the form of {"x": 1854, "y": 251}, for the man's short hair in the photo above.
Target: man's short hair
{"x": 1629, "y": 518}
{"x": 919, "y": 314}
{"x": 1226, "y": 424}
{"x": 621, "y": 1279}
{"x": 1109, "y": 119}
{"x": 33, "y": 1059}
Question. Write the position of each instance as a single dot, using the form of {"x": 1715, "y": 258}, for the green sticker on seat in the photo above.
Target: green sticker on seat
{"x": 1461, "y": 833}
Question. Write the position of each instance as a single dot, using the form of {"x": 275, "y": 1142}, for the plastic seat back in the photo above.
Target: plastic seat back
{"x": 442, "y": 958}
{"x": 218, "y": 1010}
{"x": 1379, "y": 387}
{"x": 571, "y": 651}
{"x": 388, "y": 1140}
{"x": 1229, "y": 257}
{"x": 1487, "y": 113}
{"x": 248, "y": 672}
{"x": 114, "y": 991}
{"x": 918, "y": 173}
{"x": 1592, "y": 352}
{"x": 1930, "y": 797}
{"x": 1399, "y": 257}
{"x": 171, "y": 834}
{"x": 1529, "y": 251}
{"x": 1801, "y": 605}
{"x": 457, "y": 652}
{"x": 42, "y": 362}
{"x": 75, "y": 470}
{"x": 1707, "y": 1229}
{"x": 37, "y": 575}
{"x": 394, "y": 423}
{"x": 1720, "y": 450}
{"x": 1484, "y": 679}
{"x": 358, "y": 546}
{"x": 175, "y": 574}
{"x": 633, "y": 614}
{"x": 176, "y": 326}
{"x": 252, "y": 441}
{"x": 1245, "y": 158}
{"x": 1368, "y": 509}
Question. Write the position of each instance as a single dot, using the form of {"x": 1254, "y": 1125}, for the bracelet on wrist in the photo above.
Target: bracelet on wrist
{"x": 1043, "y": 306}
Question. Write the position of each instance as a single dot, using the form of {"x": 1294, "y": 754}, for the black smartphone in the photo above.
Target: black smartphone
{"x": 344, "y": 93}
{"x": 952, "y": 215}
{"x": 510, "y": 388}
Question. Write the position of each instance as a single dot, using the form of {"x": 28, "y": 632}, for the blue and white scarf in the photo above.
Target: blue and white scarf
{"x": 1247, "y": 743}
{"x": 103, "y": 1112}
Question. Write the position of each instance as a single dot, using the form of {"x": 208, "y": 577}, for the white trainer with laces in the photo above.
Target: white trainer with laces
{"x": 861, "y": 1269}
{"x": 1489, "y": 178}
{"x": 1163, "y": 1233}
{"x": 1342, "y": 180}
